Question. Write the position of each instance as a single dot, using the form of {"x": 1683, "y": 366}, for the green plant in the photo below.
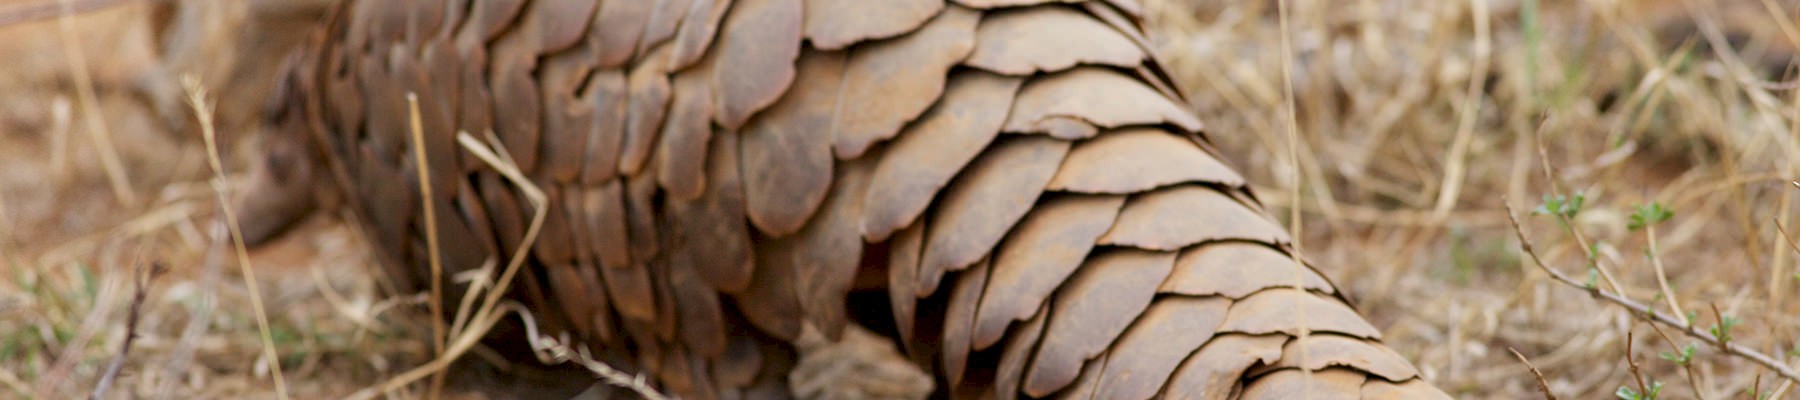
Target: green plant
{"x": 1627, "y": 393}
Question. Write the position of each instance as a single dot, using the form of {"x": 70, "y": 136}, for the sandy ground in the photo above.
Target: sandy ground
{"x": 1416, "y": 126}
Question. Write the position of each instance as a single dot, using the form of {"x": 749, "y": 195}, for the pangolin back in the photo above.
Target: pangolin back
{"x": 1019, "y": 176}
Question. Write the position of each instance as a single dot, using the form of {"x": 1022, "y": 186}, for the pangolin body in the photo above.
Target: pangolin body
{"x": 1018, "y": 177}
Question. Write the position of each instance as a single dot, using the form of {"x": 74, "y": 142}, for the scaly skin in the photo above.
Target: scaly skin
{"x": 1020, "y": 179}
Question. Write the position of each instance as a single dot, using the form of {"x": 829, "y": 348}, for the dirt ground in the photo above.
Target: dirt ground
{"x": 1416, "y": 123}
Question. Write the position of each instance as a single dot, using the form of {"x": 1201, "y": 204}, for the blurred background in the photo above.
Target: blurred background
{"x": 1417, "y": 123}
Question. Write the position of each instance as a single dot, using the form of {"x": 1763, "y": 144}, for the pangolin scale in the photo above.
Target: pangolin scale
{"x": 1019, "y": 177}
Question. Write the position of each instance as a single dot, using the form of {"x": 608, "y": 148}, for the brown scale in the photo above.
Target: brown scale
{"x": 1018, "y": 177}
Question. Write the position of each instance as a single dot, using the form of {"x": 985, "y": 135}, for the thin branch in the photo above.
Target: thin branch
{"x": 140, "y": 287}
{"x": 1632, "y": 362}
{"x": 1687, "y": 364}
{"x": 1555, "y": 189}
{"x": 1785, "y": 235}
{"x": 1543, "y": 386}
{"x": 1643, "y": 311}
{"x": 1756, "y": 386}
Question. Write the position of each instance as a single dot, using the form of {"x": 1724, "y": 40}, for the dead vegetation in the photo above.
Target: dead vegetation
{"x": 1417, "y": 122}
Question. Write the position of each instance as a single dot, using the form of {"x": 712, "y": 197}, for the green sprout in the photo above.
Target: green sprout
{"x": 1648, "y": 215}
{"x": 1627, "y": 393}
{"x": 1683, "y": 358}
{"x": 1565, "y": 206}
{"x": 1723, "y": 329}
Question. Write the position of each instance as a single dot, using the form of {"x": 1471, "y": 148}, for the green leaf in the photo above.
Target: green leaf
{"x": 1565, "y": 206}
{"x": 1626, "y": 393}
{"x": 1649, "y": 215}
{"x": 1683, "y": 358}
{"x": 1723, "y": 329}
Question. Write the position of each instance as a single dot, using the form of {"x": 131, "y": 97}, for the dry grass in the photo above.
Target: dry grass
{"x": 1415, "y": 122}
{"x": 1416, "y": 126}
{"x": 69, "y": 248}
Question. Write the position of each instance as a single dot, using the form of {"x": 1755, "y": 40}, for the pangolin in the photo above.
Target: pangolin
{"x": 1017, "y": 183}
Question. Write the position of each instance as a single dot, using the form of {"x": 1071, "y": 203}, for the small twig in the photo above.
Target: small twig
{"x": 203, "y": 111}
{"x": 477, "y": 281}
{"x": 1635, "y": 372}
{"x": 140, "y": 291}
{"x": 492, "y": 309}
{"x": 547, "y": 349}
{"x": 1643, "y": 311}
{"x": 1543, "y": 386}
{"x": 1662, "y": 279}
{"x": 552, "y": 350}
{"x": 90, "y": 110}
{"x": 1555, "y": 189}
{"x": 60, "y": 122}
{"x": 1785, "y": 235}
{"x": 55, "y": 379}
{"x": 1292, "y": 122}
{"x": 1687, "y": 365}
{"x": 197, "y": 324}
{"x": 1724, "y": 330}
{"x": 41, "y": 11}
{"x": 1457, "y": 160}
{"x": 1778, "y": 264}
{"x": 1756, "y": 386}
{"x": 6, "y": 221}
{"x": 486, "y": 314}
{"x": 432, "y": 249}
{"x": 363, "y": 320}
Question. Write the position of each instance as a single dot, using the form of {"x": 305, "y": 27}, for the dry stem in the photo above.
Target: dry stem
{"x": 1293, "y": 140}
{"x": 1555, "y": 189}
{"x": 492, "y": 309}
{"x": 34, "y": 12}
{"x": 1458, "y": 156}
{"x": 1636, "y": 373}
{"x": 553, "y": 350}
{"x": 432, "y": 248}
{"x": 197, "y": 324}
{"x": 90, "y": 110}
{"x": 1543, "y": 386}
{"x": 1651, "y": 315}
{"x": 1662, "y": 279}
{"x": 203, "y": 111}
{"x": 1687, "y": 366}
{"x": 139, "y": 292}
